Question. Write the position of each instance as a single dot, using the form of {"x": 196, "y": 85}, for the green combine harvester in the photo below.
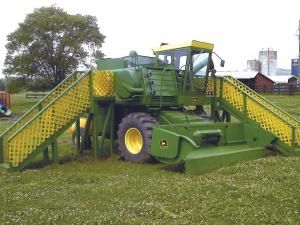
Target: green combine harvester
{"x": 170, "y": 107}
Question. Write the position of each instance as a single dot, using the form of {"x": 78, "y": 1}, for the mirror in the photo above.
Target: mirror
{"x": 222, "y": 64}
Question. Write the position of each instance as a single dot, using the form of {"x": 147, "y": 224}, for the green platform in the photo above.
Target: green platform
{"x": 211, "y": 158}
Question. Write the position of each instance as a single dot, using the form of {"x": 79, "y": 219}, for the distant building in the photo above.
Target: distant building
{"x": 295, "y": 67}
{"x": 263, "y": 83}
{"x": 258, "y": 81}
{"x": 284, "y": 79}
{"x": 268, "y": 62}
{"x": 246, "y": 77}
{"x": 253, "y": 65}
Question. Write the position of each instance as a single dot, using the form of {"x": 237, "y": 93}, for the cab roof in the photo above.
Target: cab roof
{"x": 193, "y": 43}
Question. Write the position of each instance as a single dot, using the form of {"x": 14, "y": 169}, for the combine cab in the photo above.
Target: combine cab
{"x": 170, "y": 107}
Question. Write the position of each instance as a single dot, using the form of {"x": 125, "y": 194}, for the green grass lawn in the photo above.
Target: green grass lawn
{"x": 87, "y": 191}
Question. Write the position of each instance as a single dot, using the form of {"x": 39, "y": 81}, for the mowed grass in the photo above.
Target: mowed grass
{"x": 110, "y": 191}
{"x": 290, "y": 104}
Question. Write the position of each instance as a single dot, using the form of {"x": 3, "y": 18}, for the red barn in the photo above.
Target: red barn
{"x": 263, "y": 83}
{"x": 260, "y": 82}
{"x": 246, "y": 77}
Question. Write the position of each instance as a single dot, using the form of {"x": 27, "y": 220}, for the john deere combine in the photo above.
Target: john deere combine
{"x": 170, "y": 107}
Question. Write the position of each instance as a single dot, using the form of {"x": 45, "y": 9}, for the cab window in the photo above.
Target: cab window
{"x": 200, "y": 62}
{"x": 165, "y": 59}
{"x": 180, "y": 57}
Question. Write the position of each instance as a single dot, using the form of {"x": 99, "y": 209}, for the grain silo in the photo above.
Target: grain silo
{"x": 253, "y": 65}
{"x": 295, "y": 67}
{"x": 268, "y": 61}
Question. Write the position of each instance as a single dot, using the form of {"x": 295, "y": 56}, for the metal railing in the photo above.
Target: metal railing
{"x": 270, "y": 117}
{"x": 51, "y": 114}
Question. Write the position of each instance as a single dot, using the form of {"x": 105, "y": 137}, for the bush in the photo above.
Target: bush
{"x": 15, "y": 85}
{"x": 39, "y": 85}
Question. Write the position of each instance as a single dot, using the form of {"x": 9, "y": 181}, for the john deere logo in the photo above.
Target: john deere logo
{"x": 163, "y": 143}
{"x": 195, "y": 99}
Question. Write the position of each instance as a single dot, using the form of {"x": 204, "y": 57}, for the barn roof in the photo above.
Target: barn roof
{"x": 238, "y": 74}
{"x": 281, "y": 79}
{"x": 278, "y": 79}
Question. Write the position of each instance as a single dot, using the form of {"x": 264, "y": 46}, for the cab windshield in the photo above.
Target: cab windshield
{"x": 200, "y": 62}
{"x": 178, "y": 58}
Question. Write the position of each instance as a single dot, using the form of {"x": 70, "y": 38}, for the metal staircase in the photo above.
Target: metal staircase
{"x": 247, "y": 105}
{"x": 50, "y": 117}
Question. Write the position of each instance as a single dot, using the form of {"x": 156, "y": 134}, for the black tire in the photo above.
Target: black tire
{"x": 74, "y": 139}
{"x": 142, "y": 124}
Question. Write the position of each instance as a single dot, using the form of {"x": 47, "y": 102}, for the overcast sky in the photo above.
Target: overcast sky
{"x": 239, "y": 29}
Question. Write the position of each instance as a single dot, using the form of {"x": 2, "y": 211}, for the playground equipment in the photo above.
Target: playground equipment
{"x": 5, "y": 103}
{"x": 154, "y": 108}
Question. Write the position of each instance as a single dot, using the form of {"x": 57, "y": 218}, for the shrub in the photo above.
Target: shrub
{"x": 15, "y": 85}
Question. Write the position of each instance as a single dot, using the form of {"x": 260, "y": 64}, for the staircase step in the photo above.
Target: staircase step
{"x": 212, "y": 158}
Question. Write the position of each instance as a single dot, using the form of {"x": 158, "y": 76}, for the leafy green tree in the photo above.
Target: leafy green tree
{"x": 2, "y": 84}
{"x": 51, "y": 43}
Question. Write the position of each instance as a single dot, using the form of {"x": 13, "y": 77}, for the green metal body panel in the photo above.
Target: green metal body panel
{"x": 178, "y": 117}
{"x": 214, "y": 144}
{"x": 208, "y": 159}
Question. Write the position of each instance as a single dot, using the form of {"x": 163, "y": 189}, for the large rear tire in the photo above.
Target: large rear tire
{"x": 134, "y": 136}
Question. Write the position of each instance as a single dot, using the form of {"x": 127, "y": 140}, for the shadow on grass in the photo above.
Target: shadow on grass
{"x": 151, "y": 161}
{"x": 176, "y": 168}
{"x": 44, "y": 163}
{"x": 38, "y": 164}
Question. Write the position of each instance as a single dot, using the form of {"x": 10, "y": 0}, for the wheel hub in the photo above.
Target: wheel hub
{"x": 133, "y": 140}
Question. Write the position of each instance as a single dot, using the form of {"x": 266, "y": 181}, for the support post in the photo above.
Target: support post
{"x": 54, "y": 152}
{"x": 103, "y": 121}
{"x": 228, "y": 117}
{"x": 96, "y": 129}
{"x": 104, "y": 130}
{"x": 85, "y": 134}
{"x": 214, "y": 109}
{"x": 225, "y": 116}
{"x": 112, "y": 128}
{"x": 77, "y": 138}
{"x": 245, "y": 104}
{"x": 293, "y": 137}
{"x": 215, "y": 86}
{"x": 221, "y": 87}
{"x": 46, "y": 155}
